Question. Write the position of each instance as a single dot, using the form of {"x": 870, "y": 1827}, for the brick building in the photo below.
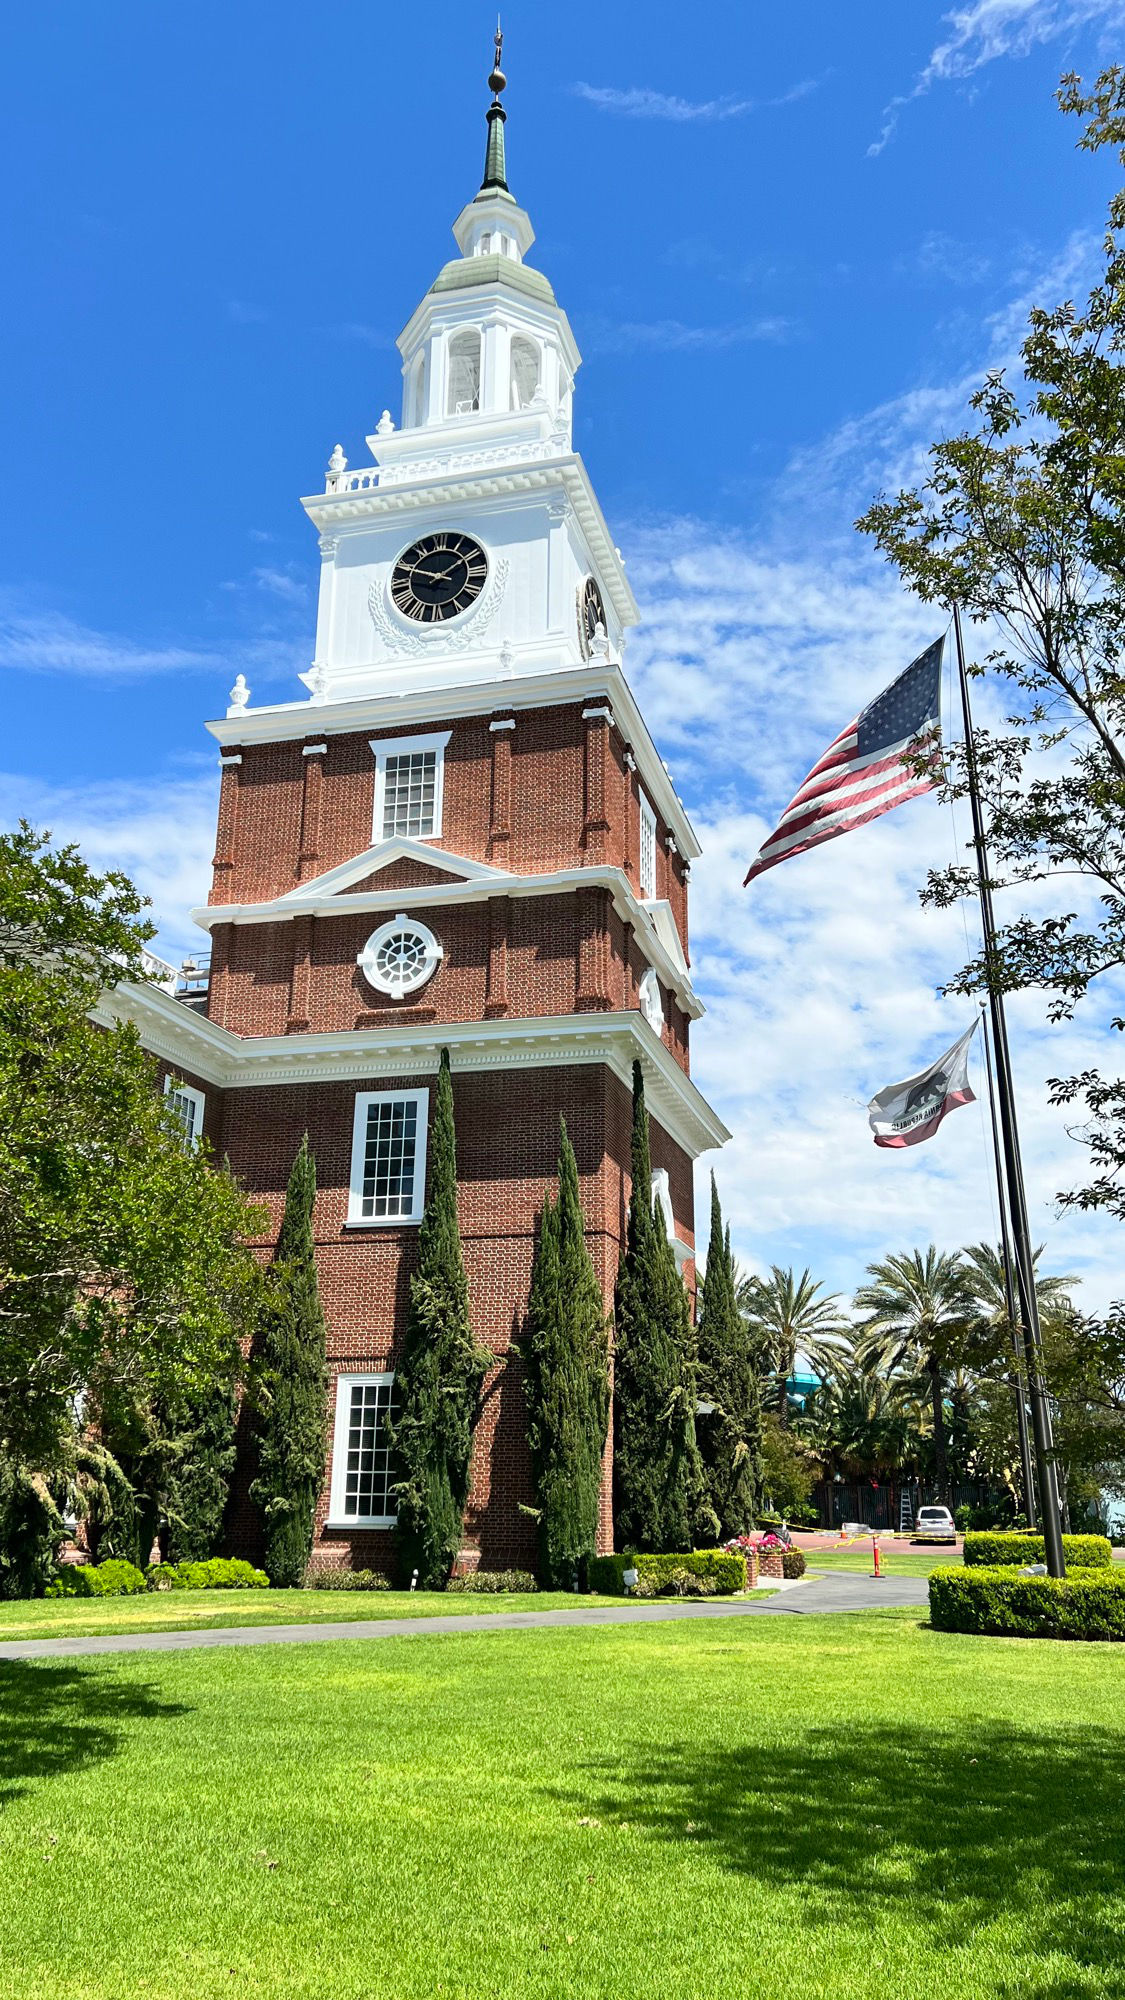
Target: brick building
{"x": 463, "y": 837}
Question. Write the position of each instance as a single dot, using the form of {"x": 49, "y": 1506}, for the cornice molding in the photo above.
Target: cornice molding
{"x": 303, "y": 902}
{"x": 172, "y": 1032}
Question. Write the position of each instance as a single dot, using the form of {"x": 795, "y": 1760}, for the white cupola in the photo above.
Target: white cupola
{"x": 489, "y": 340}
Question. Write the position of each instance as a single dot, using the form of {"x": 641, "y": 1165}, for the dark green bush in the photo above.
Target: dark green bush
{"x": 793, "y": 1564}
{"x": 108, "y": 1579}
{"x": 725, "y": 1571}
{"x": 676, "y": 1583}
{"x": 961, "y": 1518}
{"x": 346, "y": 1579}
{"x": 991, "y": 1551}
{"x": 218, "y": 1573}
{"x": 1000, "y": 1601}
{"x": 493, "y": 1582}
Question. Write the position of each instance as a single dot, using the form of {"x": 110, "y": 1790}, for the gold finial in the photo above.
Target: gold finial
{"x": 497, "y": 80}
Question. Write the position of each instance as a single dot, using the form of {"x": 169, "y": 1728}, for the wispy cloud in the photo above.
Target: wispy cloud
{"x": 48, "y": 642}
{"x": 282, "y": 583}
{"x": 242, "y": 313}
{"x": 638, "y": 102}
{"x": 672, "y": 335}
{"x": 986, "y": 30}
{"x": 357, "y": 330}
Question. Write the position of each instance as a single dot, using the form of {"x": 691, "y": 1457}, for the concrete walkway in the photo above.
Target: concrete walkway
{"x": 819, "y": 1594}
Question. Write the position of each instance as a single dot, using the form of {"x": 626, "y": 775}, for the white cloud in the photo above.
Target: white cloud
{"x": 48, "y": 642}
{"x": 986, "y": 30}
{"x": 160, "y": 831}
{"x": 638, "y": 102}
{"x": 282, "y": 583}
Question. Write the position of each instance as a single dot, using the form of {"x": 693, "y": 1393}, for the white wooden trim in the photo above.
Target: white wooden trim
{"x": 406, "y": 746}
{"x": 174, "y": 1086}
{"x": 364, "y": 1100}
{"x": 336, "y": 1515}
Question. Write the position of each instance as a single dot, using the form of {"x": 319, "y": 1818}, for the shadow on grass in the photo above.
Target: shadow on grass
{"x": 56, "y": 1719}
{"x": 943, "y": 1829}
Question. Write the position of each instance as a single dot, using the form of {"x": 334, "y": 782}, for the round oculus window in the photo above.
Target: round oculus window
{"x": 438, "y": 577}
{"x": 399, "y": 957}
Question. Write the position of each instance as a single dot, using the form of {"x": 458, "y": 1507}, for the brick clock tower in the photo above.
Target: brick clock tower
{"x": 464, "y": 838}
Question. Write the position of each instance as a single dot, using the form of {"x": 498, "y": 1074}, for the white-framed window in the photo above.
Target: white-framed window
{"x": 652, "y": 1003}
{"x": 648, "y": 848}
{"x": 362, "y": 1467}
{"x": 400, "y": 956}
{"x": 463, "y": 395}
{"x": 388, "y": 1178}
{"x": 409, "y": 787}
{"x": 186, "y": 1105}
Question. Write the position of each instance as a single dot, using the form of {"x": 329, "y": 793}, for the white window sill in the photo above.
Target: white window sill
{"x": 382, "y": 1222}
{"x": 363, "y": 1521}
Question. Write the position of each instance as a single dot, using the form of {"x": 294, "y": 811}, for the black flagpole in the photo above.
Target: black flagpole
{"x": 1013, "y": 1166}
{"x": 1009, "y": 1287}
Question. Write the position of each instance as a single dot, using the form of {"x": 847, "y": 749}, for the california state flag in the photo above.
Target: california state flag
{"x": 906, "y": 1113}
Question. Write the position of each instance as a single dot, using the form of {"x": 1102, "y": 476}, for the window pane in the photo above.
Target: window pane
{"x": 389, "y": 1158}
{"x": 409, "y": 789}
{"x": 648, "y": 850}
{"x": 368, "y": 1470}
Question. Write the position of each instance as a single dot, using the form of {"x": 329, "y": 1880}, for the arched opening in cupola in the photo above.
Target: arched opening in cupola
{"x": 525, "y": 371}
{"x": 463, "y": 395}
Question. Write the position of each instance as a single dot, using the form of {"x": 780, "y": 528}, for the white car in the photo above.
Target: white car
{"x": 934, "y": 1524}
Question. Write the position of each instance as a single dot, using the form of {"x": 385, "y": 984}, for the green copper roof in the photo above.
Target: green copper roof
{"x": 495, "y": 169}
{"x": 465, "y": 272}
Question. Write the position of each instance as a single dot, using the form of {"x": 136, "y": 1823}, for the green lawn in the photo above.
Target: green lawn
{"x": 801, "y": 1809}
{"x": 188, "y": 1610}
{"x": 894, "y": 1561}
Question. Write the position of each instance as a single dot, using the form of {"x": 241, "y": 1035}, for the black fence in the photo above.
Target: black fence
{"x": 889, "y": 1504}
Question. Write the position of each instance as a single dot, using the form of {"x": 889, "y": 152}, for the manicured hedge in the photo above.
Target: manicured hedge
{"x": 725, "y": 1572}
{"x": 346, "y": 1579}
{"x": 1000, "y": 1601}
{"x": 493, "y": 1582}
{"x": 220, "y": 1573}
{"x": 997, "y": 1549}
{"x": 108, "y": 1579}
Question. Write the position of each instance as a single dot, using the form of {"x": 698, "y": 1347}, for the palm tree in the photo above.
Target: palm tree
{"x": 861, "y": 1421}
{"x": 787, "y": 1316}
{"x": 921, "y": 1316}
{"x": 985, "y": 1263}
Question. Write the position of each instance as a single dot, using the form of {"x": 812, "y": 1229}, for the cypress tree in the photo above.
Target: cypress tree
{"x": 292, "y": 1387}
{"x": 439, "y": 1377}
{"x": 731, "y": 1435}
{"x": 565, "y": 1350}
{"x": 659, "y": 1498}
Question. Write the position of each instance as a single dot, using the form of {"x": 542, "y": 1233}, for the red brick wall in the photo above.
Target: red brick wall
{"x": 507, "y": 1146}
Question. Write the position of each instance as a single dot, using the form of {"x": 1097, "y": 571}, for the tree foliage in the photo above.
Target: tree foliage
{"x": 292, "y": 1387}
{"x": 123, "y": 1271}
{"x": 1022, "y": 522}
{"x": 920, "y": 1317}
{"x": 730, "y": 1432}
{"x": 439, "y": 1377}
{"x": 787, "y": 1316}
{"x": 565, "y": 1349}
{"x": 658, "y": 1488}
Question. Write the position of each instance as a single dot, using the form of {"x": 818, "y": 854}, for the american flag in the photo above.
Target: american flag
{"x": 867, "y": 768}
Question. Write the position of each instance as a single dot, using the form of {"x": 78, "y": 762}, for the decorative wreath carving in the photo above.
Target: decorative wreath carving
{"x": 447, "y": 638}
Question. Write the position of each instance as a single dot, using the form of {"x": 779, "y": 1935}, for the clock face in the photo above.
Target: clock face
{"x": 438, "y": 576}
{"x": 591, "y": 614}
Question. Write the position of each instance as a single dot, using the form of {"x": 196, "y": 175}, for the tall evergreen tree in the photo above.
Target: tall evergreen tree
{"x": 292, "y": 1387}
{"x": 565, "y": 1350}
{"x": 729, "y": 1361}
{"x": 440, "y": 1374}
{"x": 658, "y": 1489}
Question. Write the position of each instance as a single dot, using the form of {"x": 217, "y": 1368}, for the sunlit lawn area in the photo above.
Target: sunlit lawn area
{"x": 808, "y": 1808}
{"x": 895, "y": 1560}
{"x": 185, "y": 1610}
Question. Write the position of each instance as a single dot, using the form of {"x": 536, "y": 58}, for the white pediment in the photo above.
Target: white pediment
{"x": 338, "y": 881}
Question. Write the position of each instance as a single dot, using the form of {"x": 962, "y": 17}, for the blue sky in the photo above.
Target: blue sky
{"x": 789, "y": 240}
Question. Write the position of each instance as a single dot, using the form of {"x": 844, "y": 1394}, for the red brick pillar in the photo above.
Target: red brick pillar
{"x": 595, "y": 822}
{"x": 501, "y": 729}
{"x": 308, "y": 859}
{"x": 226, "y": 834}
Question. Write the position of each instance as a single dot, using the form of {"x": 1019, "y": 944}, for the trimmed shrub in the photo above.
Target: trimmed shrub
{"x": 493, "y": 1582}
{"x": 347, "y": 1579}
{"x": 992, "y": 1551}
{"x": 218, "y": 1573}
{"x": 725, "y": 1572}
{"x": 793, "y": 1564}
{"x": 961, "y": 1519}
{"x": 1001, "y": 1602}
{"x": 109, "y": 1579}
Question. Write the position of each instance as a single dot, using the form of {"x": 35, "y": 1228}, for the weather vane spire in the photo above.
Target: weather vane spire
{"x": 495, "y": 171}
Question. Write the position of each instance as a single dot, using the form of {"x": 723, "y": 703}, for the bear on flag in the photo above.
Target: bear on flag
{"x": 906, "y": 1113}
